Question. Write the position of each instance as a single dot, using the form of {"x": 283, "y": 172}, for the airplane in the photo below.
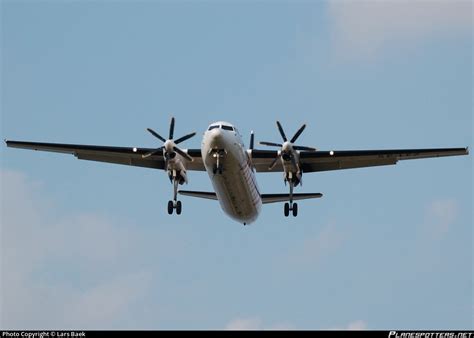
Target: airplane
{"x": 232, "y": 168}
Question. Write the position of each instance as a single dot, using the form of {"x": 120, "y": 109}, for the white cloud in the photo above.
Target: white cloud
{"x": 365, "y": 28}
{"x": 440, "y": 215}
{"x": 358, "y": 325}
{"x": 244, "y": 324}
{"x": 63, "y": 271}
{"x": 255, "y": 324}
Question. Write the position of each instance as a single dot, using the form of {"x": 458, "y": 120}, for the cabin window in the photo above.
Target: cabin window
{"x": 227, "y": 128}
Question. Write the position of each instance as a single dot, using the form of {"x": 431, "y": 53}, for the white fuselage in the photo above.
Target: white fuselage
{"x": 235, "y": 183}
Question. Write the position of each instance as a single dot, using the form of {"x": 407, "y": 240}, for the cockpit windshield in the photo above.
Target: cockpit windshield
{"x": 213, "y": 127}
{"x": 227, "y": 128}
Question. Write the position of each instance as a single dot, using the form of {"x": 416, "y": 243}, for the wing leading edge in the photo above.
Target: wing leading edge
{"x": 117, "y": 155}
{"x": 348, "y": 159}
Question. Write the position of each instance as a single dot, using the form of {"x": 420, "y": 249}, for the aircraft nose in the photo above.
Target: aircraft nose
{"x": 215, "y": 137}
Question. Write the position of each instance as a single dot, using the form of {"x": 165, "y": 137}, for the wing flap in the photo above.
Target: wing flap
{"x": 345, "y": 164}
{"x": 155, "y": 164}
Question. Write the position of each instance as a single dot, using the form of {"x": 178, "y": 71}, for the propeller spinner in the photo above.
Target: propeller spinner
{"x": 169, "y": 146}
{"x": 286, "y": 149}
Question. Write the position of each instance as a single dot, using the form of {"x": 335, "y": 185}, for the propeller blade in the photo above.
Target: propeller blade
{"x": 154, "y": 133}
{"x": 304, "y": 148}
{"x": 274, "y": 162}
{"x": 182, "y": 153}
{"x": 171, "y": 128}
{"x": 251, "y": 140}
{"x": 271, "y": 144}
{"x": 298, "y": 133}
{"x": 281, "y": 131}
{"x": 184, "y": 138}
{"x": 151, "y": 153}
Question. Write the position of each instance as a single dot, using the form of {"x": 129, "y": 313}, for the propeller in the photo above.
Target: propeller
{"x": 169, "y": 145}
{"x": 286, "y": 149}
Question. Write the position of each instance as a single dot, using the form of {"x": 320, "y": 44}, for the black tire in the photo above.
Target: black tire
{"x": 295, "y": 209}
{"x": 178, "y": 208}
{"x": 287, "y": 209}
{"x": 170, "y": 207}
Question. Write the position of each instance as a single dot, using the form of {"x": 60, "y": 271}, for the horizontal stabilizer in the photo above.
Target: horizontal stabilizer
{"x": 200, "y": 194}
{"x": 274, "y": 198}
{"x": 266, "y": 198}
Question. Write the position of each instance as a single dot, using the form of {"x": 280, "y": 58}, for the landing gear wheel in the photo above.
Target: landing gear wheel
{"x": 178, "y": 208}
{"x": 170, "y": 207}
{"x": 295, "y": 209}
{"x": 287, "y": 209}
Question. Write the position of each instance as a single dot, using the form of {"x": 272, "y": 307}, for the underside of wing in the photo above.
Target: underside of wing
{"x": 312, "y": 161}
{"x": 118, "y": 155}
{"x": 262, "y": 159}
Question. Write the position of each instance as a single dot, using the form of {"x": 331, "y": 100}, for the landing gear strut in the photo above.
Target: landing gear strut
{"x": 174, "y": 204}
{"x": 293, "y": 207}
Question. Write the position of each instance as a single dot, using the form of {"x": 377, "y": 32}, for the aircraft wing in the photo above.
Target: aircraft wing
{"x": 117, "y": 155}
{"x": 312, "y": 161}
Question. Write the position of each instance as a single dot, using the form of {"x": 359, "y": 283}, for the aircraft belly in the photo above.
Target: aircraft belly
{"x": 236, "y": 190}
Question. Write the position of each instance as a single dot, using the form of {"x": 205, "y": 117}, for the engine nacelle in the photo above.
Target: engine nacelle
{"x": 183, "y": 178}
{"x": 179, "y": 175}
{"x": 170, "y": 155}
{"x": 294, "y": 177}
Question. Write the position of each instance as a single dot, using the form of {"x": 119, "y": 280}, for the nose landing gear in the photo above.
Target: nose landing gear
{"x": 218, "y": 154}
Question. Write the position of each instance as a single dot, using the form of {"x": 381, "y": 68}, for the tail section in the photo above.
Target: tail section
{"x": 266, "y": 198}
{"x": 274, "y": 198}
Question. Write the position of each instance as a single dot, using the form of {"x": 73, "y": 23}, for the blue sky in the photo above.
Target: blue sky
{"x": 90, "y": 245}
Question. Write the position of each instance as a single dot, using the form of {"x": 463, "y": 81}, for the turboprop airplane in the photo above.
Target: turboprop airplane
{"x": 231, "y": 167}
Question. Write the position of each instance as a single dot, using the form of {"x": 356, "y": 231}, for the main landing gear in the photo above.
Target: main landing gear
{"x": 293, "y": 207}
{"x": 174, "y": 204}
